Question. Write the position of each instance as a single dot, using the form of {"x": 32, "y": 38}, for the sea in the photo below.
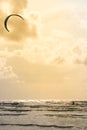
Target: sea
{"x": 43, "y": 115}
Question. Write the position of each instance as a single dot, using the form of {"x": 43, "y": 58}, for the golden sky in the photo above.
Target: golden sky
{"x": 43, "y": 56}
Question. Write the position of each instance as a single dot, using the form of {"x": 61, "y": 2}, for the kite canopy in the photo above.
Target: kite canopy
{"x": 7, "y": 18}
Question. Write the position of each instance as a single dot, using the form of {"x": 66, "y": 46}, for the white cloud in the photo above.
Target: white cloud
{"x": 6, "y": 71}
{"x": 62, "y": 40}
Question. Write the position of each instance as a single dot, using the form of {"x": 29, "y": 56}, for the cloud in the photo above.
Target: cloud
{"x": 14, "y": 6}
{"x": 42, "y": 79}
{"x": 18, "y": 6}
{"x": 61, "y": 43}
{"x": 85, "y": 62}
{"x": 59, "y": 60}
{"x": 19, "y": 29}
{"x": 6, "y": 71}
{"x": 81, "y": 61}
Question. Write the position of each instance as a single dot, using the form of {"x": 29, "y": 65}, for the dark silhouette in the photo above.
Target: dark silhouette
{"x": 7, "y": 18}
{"x": 73, "y": 103}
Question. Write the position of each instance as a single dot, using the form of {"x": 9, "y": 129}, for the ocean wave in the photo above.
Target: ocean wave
{"x": 36, "y": 125}
{"x": 43, "y": 114}
{"x": 23, "y": 107}
{"x": 67, "y": 115}
{"x": 16, "y": 110}
{"x": 6, "y": 114}
{"x": 53, "y": 106}
{"x": 42, "y": 103}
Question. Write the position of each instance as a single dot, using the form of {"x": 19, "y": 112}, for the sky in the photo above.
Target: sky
{"x": 43, "y": 56}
